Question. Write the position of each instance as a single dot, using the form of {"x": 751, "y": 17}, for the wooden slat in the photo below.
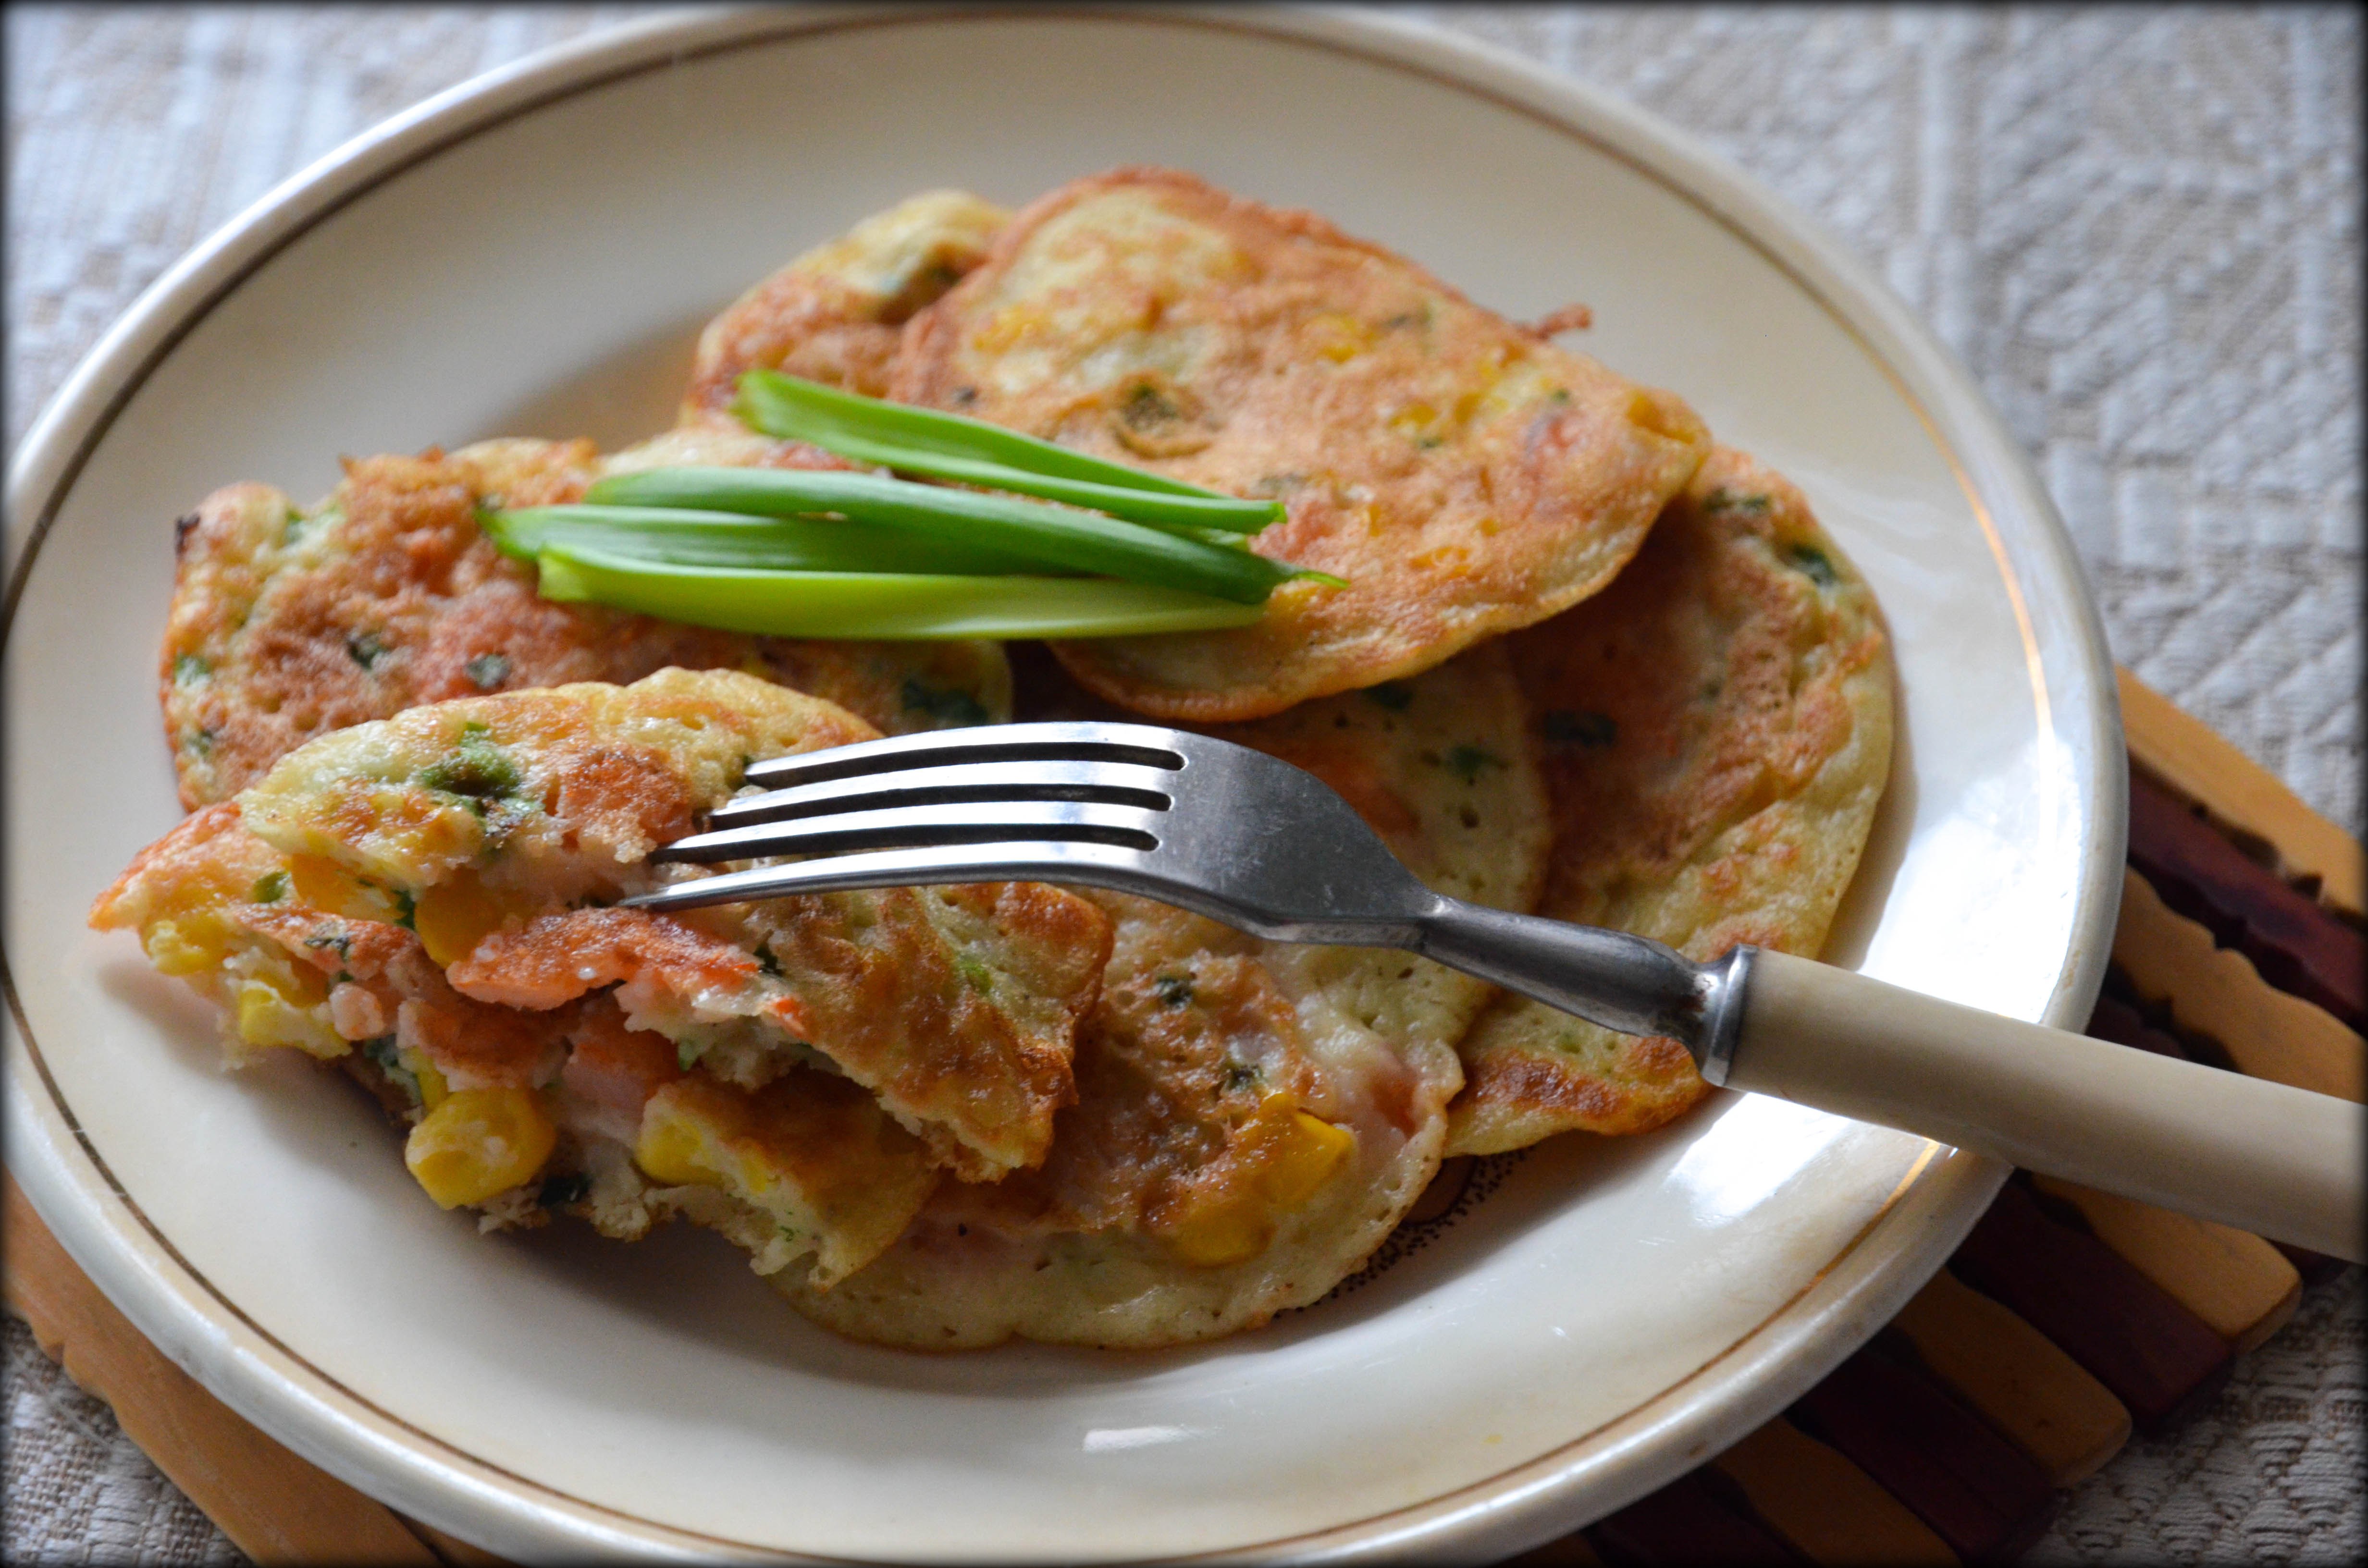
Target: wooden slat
{"x": 2158, "y": 1358}
{"x": 2116, "y": 1020}
{"x": 2242, "y": 795}
{"x": 2121, "y": 1022}
{"x": 2215, "y": 991}
{"x": 2297, "y": 946}
{"x": 1978, "y": 1491}
{"x": 275, "y": 1507}
{"x": 2240, "y": 1285}
{"x": 1687, "y": 1523}
{"x": 452, "y": 1549}
{"x": 1833, "y": 1511}
{"x": 2015, "y": 1378}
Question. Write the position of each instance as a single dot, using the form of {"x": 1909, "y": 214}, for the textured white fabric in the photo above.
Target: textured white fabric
{"x": 2139, "y": 228}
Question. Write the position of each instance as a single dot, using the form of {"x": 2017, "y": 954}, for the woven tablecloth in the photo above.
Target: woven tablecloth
{"x": 2140, "y": 228}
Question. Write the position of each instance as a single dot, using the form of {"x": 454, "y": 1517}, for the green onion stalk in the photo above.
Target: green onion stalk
{"x": 879, "y": 603}
{"x": 971, "y": 451}
{"x": 1051, "y": 536}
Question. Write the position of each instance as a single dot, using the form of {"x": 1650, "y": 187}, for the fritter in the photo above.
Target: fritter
{"x": 1252, "y": 1119}
{"x": 435, "y": 892}
{"x": 834, "y": 314}
{"x": 1716, "y": 730}
{"x": 1464, "y": 476}
{"x": 288, "y": 623}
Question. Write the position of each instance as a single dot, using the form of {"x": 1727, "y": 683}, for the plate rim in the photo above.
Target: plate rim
{"x": 1944, "y": 1192}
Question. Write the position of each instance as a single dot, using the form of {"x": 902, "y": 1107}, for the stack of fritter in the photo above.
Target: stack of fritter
{"x": 1586, "y": 663}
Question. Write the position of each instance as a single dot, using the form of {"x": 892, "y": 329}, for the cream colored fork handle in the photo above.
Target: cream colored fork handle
{"x": 2278, "y": 1160}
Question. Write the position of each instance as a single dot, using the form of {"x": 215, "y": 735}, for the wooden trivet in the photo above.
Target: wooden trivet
{"x": 2068, "y": 1319}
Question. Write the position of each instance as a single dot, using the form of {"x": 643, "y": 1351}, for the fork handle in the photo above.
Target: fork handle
{"x": 2266, "y": 1158}
{"x": 2263, "y": 1156}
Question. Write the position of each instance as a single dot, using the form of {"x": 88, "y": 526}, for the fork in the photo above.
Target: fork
{"x": 1256, "y": 842}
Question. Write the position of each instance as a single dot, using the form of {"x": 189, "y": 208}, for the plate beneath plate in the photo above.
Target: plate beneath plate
{"x": 530, "y": 254}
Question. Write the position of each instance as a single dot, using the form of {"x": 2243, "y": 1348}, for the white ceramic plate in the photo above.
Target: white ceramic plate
{"x": 530, "y": 254}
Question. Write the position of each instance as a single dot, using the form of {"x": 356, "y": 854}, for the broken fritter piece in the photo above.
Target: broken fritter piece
{"x": 435, "y": 892}
{"x": 1464, "y": 477}
{"x": 287, "y": 624}
{"x": 1716, "y": 733}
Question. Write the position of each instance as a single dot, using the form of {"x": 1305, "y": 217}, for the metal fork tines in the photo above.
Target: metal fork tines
{"x": 967, "y": 783}
{"x": 918, "y": 828}
{"x": 1034, "y": 785}
{"x": 1085, "y": 743}
{"x": 1209, "y": 826}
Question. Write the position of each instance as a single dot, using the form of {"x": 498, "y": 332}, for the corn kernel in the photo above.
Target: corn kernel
{"x": 1286, "y": 1156}
{"x": 269, "y": 1015}
{"x": 1305, "y": 1157}
{"x": 668, "y": 1151}
{"x": 1647, "y": 411}
{"x": 479, "y": 1143}
{"x": 323, "y": 884}
{"x": 1338, "y": 338}
{"x": 1231, "y": 1231}
{"x": 191, "y": 944}
{"x": 455, "y": 915}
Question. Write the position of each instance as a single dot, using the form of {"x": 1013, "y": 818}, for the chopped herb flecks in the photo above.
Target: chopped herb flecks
{"x": 367, "y": 649}
{"x": 381, "y": 1051}
{"x": 1563, "y": 727}
{"x": 976, "y": 973}
{"x": 1812, "y": 561}
{"x": 1146, "y": 407}
{"x": 487, "y": 671}
{"x": 946, "y": 707}
{"x": 189, "y": 669}
{"x": 269, "y": 888}
{"x": 1395, "y": 695}
{"x": 1725, "y": 500}
{"x": 1239, "y": 1076}
{"x": 1466, "y": 761}
{"x": 1175, "y": 990}
{"x": 687, "y": 1052}
{"x": 767, "y": 962}
{"x": 476, "y": 769}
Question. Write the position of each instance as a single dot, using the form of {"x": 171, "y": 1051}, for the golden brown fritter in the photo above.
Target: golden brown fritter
{"x": 288, "y": 624}
{"x": 1716, "y": 730}
{"x": 1252, "y": 1118}
{"x": 833, "y": 314}
{"x": 1465, "y": 477}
